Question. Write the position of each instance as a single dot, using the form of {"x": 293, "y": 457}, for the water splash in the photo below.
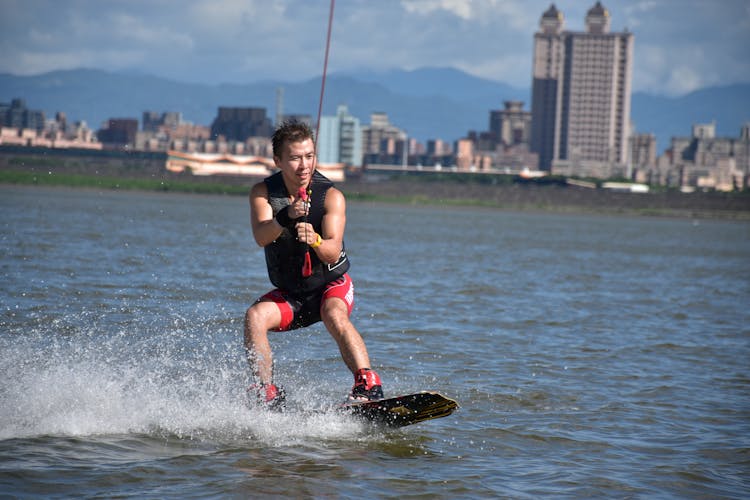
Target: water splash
{"x": 185, "y": 380}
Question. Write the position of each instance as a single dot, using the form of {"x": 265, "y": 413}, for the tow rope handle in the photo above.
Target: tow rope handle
{"x": 307, "y": 265}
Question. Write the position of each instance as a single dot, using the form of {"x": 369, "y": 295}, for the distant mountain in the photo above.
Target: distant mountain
{"x": 428, "y": 103}
{"x": 442, "y": 82}
{"x": 449, "y": 104}
{"x": 728, "y": 106}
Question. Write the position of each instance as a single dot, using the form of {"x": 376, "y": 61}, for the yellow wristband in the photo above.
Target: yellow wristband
{"x": 317, "y": 243}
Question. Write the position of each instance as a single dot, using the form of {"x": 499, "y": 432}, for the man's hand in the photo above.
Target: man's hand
{"x": 298, "y": 208}
{"x": 289, "y": 215}
{"x": 306, "y": 233}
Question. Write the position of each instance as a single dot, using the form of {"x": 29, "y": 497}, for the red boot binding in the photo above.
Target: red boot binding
{"x": 270, "y": 396}
{"x": 367, "y": 386}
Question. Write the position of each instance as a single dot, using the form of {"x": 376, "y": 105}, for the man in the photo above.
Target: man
{"x": 298, "y": 217}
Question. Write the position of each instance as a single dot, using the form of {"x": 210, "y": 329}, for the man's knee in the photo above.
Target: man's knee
{"x": 335, "y": 315}
{"x": 261, "y": 317}
{"x": 252, "y": 316}
{"x": 334, "y": 308}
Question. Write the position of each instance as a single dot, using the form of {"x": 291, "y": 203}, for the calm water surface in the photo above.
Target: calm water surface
{"x": 592, "y": 356}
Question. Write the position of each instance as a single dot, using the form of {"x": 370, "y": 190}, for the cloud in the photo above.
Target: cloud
{"x": 683, "y": 79}
{"x": 683, "y": 46}
{"x": 425, "y": 7}
{"x": 680, "y": 45}
{"x": 635, "y": 11}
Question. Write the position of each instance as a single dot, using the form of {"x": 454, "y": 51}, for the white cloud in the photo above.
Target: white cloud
{"x": 636, "y": 11}
{"x": 679, "y": 44}
{"x": 513, "y": 69}
{"x": 458, "y": 8}
{"x": 684, "y": 79}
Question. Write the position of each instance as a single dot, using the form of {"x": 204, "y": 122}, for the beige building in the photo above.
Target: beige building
{"x": 510, "y": 126}
{"x": 705, "y": 161}
{"x": 642, "y": 159}
{"x": 581, "y": 94}
{"x": 380, "y": 136}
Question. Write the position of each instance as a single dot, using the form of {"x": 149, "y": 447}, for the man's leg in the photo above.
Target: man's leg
{"x": 335, "y": 315}
{"x": 259, "y": 319}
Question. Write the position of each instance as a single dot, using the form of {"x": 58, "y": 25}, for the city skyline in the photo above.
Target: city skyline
{"x": 680, "y": 46}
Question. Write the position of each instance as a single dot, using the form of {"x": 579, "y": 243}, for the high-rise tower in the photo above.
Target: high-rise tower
{"x": 581, "y": 91}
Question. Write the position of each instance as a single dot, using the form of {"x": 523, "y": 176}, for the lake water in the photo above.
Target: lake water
{"x": 592, "y": 356}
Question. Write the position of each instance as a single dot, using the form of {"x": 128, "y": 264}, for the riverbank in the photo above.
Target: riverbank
{"x": 559, "y": 198}
{"x": 144, "y": 173}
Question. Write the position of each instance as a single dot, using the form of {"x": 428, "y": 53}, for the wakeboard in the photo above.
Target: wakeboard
{"x": 402, "y": 410}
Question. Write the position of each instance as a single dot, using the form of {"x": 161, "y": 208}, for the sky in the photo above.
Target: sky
{"x": 680, "y": 45}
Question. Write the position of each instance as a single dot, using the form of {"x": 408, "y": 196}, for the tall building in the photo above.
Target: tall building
{"x": 17, "y": 115}
{"x": 239, "y": 124}
{"x": 119, "y": 132}
{"x": 706, "y": 161}
{"x": 581, "y": 91}
{"x": 510, "y": 126}
{"x": 642, "y": 155}
{"x": 350, "y": 137}
{"x": 152, "y": 121}
{"x": 380, "y": 136}
{"x": 383, "y": 142}
{"x": 340, "y": 138}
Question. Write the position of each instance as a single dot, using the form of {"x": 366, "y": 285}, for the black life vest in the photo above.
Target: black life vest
{"x": 285, "y": 256}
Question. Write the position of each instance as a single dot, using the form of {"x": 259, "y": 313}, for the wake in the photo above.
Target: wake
{"x": 170, "y": 385}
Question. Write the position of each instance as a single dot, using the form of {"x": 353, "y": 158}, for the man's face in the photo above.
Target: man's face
{"x": 297, "y": 162}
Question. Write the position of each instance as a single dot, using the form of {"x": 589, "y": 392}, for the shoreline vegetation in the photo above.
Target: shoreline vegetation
{"x": 509, "y": 194}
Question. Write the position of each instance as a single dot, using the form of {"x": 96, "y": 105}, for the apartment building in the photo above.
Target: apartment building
{"x": 705, "y": 161}
{"x": 581, "y": 94}
{"x": 340, "y": 138}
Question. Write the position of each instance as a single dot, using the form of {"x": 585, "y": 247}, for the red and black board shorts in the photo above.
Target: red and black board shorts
{"x": 300, "y": 311}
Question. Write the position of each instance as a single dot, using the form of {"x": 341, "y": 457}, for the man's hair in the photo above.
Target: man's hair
{"x": 290, "y": 131}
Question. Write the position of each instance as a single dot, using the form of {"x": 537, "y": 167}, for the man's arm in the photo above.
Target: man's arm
{"x": 334, "y": 223}
{"x": 265, "y": 227}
